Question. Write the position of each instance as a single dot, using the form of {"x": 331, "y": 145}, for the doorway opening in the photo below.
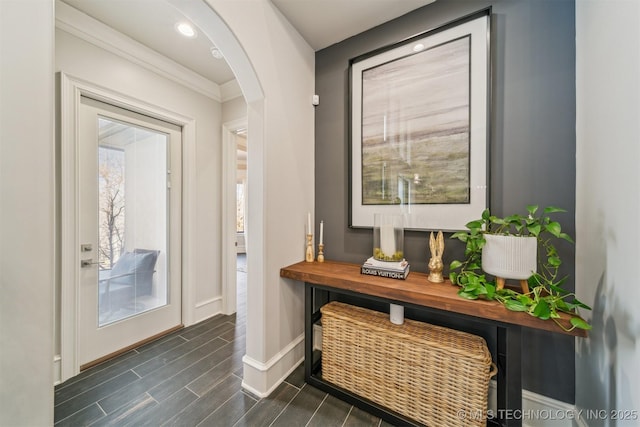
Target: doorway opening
{"x": 129, "y": 228}
{"x": 241, "y": 190}
{"x": 80, "y": 259}
{"x": 235, "y": 230}
{"x": 241, "y": 229}
{"x": 202, "y": 14}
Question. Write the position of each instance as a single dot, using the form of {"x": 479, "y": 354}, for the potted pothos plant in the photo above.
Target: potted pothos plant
{"x": 543, "y": 297}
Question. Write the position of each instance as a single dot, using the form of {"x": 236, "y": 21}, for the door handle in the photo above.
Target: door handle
{"x": 85, "y": 263}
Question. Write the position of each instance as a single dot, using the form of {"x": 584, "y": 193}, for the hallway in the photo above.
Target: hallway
{"x": 193, "y": 377}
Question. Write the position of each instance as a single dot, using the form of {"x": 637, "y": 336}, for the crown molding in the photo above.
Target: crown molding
{"x": 74, "y": 22}
{"x": 230, "y": 90}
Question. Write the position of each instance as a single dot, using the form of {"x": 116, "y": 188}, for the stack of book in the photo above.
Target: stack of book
{"x": 393, "y": 270}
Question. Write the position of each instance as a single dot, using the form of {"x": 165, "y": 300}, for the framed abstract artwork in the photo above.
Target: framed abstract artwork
{"x": 419, "y": 116}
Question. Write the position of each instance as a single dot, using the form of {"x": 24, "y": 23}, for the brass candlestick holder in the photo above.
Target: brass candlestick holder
{"x": 309, "y": 255}
{"x": 320, "y": 252}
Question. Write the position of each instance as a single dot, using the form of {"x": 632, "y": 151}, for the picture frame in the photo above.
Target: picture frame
{"x": 419, "y": 128}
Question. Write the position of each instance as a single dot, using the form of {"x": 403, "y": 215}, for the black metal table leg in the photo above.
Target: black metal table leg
{"x": 308, "y": 331}
{"x": 509, "y": 398}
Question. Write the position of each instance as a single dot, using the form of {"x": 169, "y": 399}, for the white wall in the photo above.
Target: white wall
{"x": 281, "y": 183}
{"x": 234, "y": 109}
{"x": 608, "y": 205}
{"x": 26, "y": 213}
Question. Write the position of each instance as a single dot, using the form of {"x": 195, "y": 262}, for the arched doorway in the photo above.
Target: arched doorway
{"x": 201, "y": 14}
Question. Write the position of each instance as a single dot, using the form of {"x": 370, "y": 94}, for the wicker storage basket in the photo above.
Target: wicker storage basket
{"x": 434, "y": 375}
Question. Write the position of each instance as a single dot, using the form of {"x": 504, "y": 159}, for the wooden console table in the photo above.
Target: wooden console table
{"x": 417, "y": 292}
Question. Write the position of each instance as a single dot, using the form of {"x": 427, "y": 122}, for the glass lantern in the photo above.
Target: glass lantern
{"x": 388, "y": 237}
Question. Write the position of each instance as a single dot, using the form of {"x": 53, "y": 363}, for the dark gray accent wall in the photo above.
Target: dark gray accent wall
{"x": 532, "y": 145}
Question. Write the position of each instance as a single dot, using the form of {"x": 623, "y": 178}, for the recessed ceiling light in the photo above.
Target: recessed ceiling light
{"x": 186, "y": 29}
{"x": 215, "y": 52}
{"x": 418, "y": 47}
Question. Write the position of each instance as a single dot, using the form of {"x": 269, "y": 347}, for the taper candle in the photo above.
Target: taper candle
{"x": 387, "y": 240}
{"x": 321, "y": 231}
{"x": 309, "y": 223}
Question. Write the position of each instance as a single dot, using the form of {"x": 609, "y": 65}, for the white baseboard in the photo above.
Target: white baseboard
{"x": 57, "y": 369}
{"x": 206, "y": 309}
{"x": 261, "y": 379}
{"x": 539, "y": 410}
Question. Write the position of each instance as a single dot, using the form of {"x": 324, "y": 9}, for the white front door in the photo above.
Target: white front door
{"x": 129, "y": 228}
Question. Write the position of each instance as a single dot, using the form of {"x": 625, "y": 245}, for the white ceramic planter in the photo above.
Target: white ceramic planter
{"x": 510, "y": 257}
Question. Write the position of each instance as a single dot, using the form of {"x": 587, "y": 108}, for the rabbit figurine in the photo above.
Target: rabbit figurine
{"x": 436, "y": 245}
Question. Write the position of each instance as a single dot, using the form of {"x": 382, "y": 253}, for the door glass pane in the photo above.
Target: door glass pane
{"x": 132, "y": 220}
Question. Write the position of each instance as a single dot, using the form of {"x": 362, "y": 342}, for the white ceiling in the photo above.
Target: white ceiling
{"x": 321, "y": 23}
{"x": 326, "y": 22}
{"x": 151, "y": 23}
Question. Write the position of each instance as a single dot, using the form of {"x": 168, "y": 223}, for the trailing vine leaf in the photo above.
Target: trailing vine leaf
{"x": 554, "y": 261}
{"x": 460, "y": 235}
{"x": 547, "y": 298}
{"x": 534, "y": 229}
{"x": 578, "y": 322}
{"x": 563, "y": 306}
{"x": 580, "y": 304}
{"x": 541, "y": 309}
{"x": 515, "y": 305}
{"x": 558, "y": 289}
{"x": 554, "y": 228}
{"x": 566, "y": 237}
{"x": 553, "y": 209}
{"x": 524, "y": 299}
{"x": 467, "y": 295}
{"x": 455, "y": 264}
{"x": 453, "y": 277}
{"x": 491, "y": 290}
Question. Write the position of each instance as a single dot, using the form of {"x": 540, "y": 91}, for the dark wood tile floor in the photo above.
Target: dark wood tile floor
{"x": 193, "y": 377}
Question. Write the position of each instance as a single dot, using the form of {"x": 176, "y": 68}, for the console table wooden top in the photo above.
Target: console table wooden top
{"x": 416, "y": 290}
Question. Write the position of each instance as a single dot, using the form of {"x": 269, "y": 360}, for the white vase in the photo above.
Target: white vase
{"x": 510, "y": 257}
